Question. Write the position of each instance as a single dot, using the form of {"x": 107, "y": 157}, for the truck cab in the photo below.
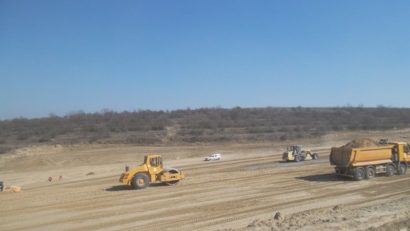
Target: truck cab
{"x": 402, "y": 149}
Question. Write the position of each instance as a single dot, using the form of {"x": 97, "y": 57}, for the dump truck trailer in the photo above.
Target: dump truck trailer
{"x": 367, "y": 162}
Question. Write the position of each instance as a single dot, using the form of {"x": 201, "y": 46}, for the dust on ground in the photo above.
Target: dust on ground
{"x": 243, "y": 191}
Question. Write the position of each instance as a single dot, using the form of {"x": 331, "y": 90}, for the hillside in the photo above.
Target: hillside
{"x": 200, "y": 125}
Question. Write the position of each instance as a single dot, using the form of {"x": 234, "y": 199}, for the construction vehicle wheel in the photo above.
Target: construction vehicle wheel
{"x": 140, "y": 181}
{"x": 172, "y": 182}
{"x": 303, "y": 155}
{"x": 315, "y": 156}
{"x": 402, "y": 169}
{"x": 389, "y": 170}
{"x": 370, "y": 172}
{"x": 359, "y": 173}
{"x": 297, "y": 158}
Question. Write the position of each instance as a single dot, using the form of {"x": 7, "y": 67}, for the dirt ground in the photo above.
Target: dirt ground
{"x": 243, "y": 191}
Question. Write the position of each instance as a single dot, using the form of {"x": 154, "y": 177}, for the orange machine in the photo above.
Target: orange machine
{"x": 365, "y": 163}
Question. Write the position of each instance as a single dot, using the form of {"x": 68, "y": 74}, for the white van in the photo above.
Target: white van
{"x": 214, "y": 156}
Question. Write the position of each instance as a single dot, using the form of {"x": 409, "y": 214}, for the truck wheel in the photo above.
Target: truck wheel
{"x": 140, "y": 181}
{"x": 359, "y": 173}
{"x": 402, "y": 169}
{"x": 370, "y": 173}
{"x": 297, "y": 158}
{"x": 389, "y": 170}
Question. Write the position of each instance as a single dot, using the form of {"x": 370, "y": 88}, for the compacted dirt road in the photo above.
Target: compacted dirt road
{"x": 243, "y": 191}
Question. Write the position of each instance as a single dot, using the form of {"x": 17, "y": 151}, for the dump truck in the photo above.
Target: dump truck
{"x": 296, "y": 154}
{"x": 367, "y": 162}
{"x": 151, "y": 171}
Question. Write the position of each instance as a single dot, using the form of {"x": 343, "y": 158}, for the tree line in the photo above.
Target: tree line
{"x": 147, "y": 127}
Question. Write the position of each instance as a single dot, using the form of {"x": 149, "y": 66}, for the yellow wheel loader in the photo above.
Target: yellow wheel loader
{"x": 150, "y": 172}
{"x": 296, "y": 154}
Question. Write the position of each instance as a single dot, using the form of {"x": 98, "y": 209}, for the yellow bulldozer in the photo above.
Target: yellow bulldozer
{"x": 151, "y": 171}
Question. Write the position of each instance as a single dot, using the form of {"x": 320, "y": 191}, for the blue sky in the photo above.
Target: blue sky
{"x": 64, "y": 56}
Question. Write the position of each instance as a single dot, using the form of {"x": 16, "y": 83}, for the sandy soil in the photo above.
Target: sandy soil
{"x": 243, "y": 191}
